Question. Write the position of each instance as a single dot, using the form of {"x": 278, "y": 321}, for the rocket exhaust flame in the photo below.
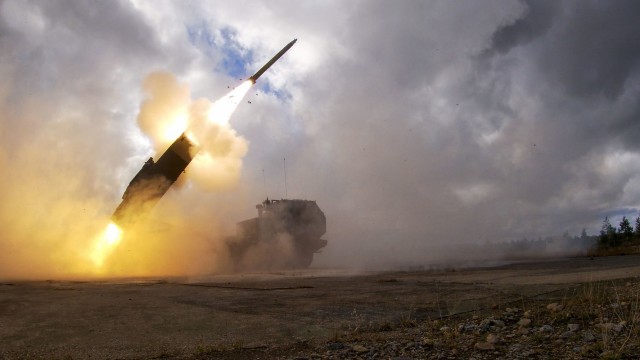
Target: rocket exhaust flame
{"x": 106, "y": 242}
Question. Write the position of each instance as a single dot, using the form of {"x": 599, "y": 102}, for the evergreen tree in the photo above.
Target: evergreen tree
{"x": 603, "y": 229}
{"x": 626, "y": 231}
{"x": 608, "y": 235}
{"x": 603, "y": 240}
{"x": 583, "y": 234}
{"x": 612, "y": 234}
{"x": 637, "y": 232}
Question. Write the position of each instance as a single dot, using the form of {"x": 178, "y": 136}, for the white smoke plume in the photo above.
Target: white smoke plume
{"x": 168, "y": 111}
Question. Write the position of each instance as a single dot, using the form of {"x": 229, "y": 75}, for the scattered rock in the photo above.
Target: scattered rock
{"x": 484, "y": 325}
{"x": 497, "y": 323}
{"x": 530, "y": 353}
{"x": 410, "y": 346}
{"x": 393, "y": 345}
{"x": 610, "y": 326}
{"x": 427, "y": 342}
{"x": 485, "y": 346}
{"x": 359, "y": 349}
{"x": 555, "y": 307}
{"x": 546, "y": 328}
{"x": 566, "y": 335}
{"x": 524, "y": 322}
{"x": 607, "y": 354}
{"x": 588, "y": 336}
{"x": 558, "y": 332}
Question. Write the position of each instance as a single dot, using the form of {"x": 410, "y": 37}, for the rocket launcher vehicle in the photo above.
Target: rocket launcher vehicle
{"x": 153, "y": 181}
{"x": 156, "y": 177}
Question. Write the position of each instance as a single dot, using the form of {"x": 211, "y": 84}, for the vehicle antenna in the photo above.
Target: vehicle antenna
{"x": 264, "y": 183}
{"x": 284, "y": 161}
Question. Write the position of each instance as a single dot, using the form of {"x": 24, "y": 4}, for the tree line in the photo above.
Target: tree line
{"x": 624, "y": 234}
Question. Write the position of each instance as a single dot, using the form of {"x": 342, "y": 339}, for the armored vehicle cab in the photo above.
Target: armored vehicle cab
{"x": 300, "y": 223}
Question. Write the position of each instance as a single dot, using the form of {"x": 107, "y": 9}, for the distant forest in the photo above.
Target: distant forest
{"x": 612, "y": 240}
{"x": 552, "y": 245}
{"x": 623, "y": 235}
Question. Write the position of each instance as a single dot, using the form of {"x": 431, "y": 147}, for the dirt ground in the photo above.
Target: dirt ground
{"x": 188, "y": 317}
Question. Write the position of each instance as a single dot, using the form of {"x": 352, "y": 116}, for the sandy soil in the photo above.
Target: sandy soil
{"x": 179, "y": 317}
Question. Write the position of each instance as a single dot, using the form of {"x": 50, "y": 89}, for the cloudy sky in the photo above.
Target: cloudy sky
{"x": 412, "y": 123}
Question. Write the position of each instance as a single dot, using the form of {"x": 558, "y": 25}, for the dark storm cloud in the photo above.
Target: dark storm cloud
{"x": 590, "y": 50}
{"x": 579, "y": 63}
{"x": 536, "y": 20}
{"x": 593, "y": 50}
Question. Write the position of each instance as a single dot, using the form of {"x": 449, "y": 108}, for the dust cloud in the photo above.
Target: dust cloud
{"x": 55, "y": 204}
{"x": 51, "y": 204}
